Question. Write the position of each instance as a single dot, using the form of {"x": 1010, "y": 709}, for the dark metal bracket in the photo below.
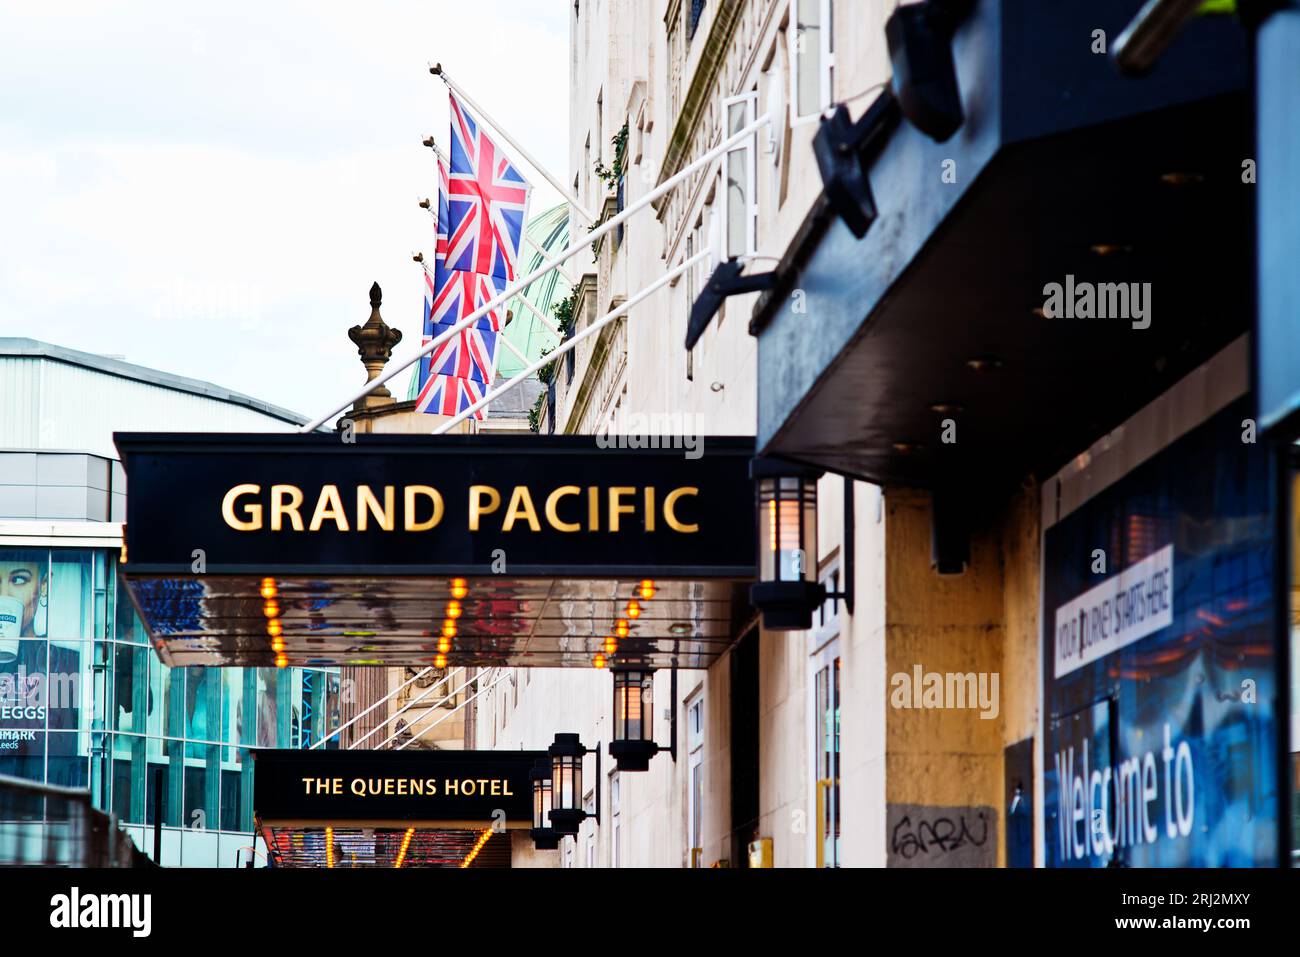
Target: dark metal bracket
{"x": 726, "y": 281}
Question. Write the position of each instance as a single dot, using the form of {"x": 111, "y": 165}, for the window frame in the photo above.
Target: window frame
{"x": 694, "y": 764}
{"x": 823, "y": 648}
{"x": 748, "y": 147}
{"x": 826, "y": 61}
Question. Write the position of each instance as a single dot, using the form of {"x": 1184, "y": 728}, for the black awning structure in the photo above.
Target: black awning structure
{"x": 1062, "y": 172}
{"x": 336, "y": 809}
{"x": 309, "y": 550}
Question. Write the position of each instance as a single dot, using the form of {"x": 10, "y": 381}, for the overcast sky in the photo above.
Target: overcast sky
{"x": 210, "y": 189}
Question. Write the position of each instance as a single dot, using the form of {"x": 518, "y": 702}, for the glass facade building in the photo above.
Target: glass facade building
{"x": 85, "y": 702}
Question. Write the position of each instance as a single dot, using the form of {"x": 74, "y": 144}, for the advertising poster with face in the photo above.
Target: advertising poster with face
{"x": 45, "y": 616}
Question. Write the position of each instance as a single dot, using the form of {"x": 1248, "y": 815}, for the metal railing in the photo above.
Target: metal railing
{"x": 43, "y": 825}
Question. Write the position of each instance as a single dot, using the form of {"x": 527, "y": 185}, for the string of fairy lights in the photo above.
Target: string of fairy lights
{"x": 274, "y": 627}
{"x": 483, "y": 838}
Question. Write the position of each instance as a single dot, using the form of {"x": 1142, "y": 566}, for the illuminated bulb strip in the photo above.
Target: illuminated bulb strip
{"x": 406, "y": 843}
{"x": 478, "y": 846}
{"x": 329, "y": 847}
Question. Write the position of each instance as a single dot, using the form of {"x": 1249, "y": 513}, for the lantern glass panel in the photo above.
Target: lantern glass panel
{"x": 787, "y": 515}
{"x": 541, "y": 803}
{"x": 633, "y": 705}
{"x": 566, "y": 781}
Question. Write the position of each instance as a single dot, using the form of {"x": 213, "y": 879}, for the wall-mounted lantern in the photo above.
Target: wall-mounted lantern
{"x": 633, "y": 745}
{"x": 787, "y": 591}
{"x": 567, "y": 813}
{"x": 544, "y": 836}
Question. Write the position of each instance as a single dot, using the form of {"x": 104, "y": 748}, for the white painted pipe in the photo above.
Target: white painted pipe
{"x": 351, "y": 722}
{"x": 564, "y": 347}
{"x": 441, "y": 701}
{"x": 414, "y": 701}
{"x": 406, "y": 744}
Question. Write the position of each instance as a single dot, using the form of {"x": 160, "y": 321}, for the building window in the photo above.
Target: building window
{"x": 826, "y": 773}
{"x": 741, "y": 210}
{"x": 824, "y": 726}
{"x": 616, "y": 819}
{"x": 585, "y": 172}
{"x": 812, "y": 57}
{"x": 695, "y": 779}
{"x": 693, "y": 14}
{"x": 676, "y": 59}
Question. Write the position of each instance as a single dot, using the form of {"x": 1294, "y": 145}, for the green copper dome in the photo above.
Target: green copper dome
{"x": 550, "y": 232}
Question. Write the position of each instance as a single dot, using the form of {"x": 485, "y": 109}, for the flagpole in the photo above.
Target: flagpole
{"x": 520, "y": 285}
{"x": 569, "y": 344}
{"x": 483, "y": 114}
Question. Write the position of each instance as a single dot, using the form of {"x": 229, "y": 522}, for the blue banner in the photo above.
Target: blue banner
{"x": 1160, "y": 681}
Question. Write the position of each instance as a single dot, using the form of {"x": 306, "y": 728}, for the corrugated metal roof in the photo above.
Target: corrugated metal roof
{"x": 34, "y": 349}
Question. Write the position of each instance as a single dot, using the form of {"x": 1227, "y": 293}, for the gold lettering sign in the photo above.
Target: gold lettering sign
{"x": 408, "y": 787}
{"x": 246, "y": 508}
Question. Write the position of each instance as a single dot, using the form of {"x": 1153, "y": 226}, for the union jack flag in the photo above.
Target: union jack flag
{"x": 487, "y": 201}
{"x": 447, "y": 395}
{"x": 451, "y": 295}
{"x": 470, "y": 354}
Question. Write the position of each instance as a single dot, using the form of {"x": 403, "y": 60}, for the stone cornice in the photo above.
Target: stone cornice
{"x": 712, "y": 57}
